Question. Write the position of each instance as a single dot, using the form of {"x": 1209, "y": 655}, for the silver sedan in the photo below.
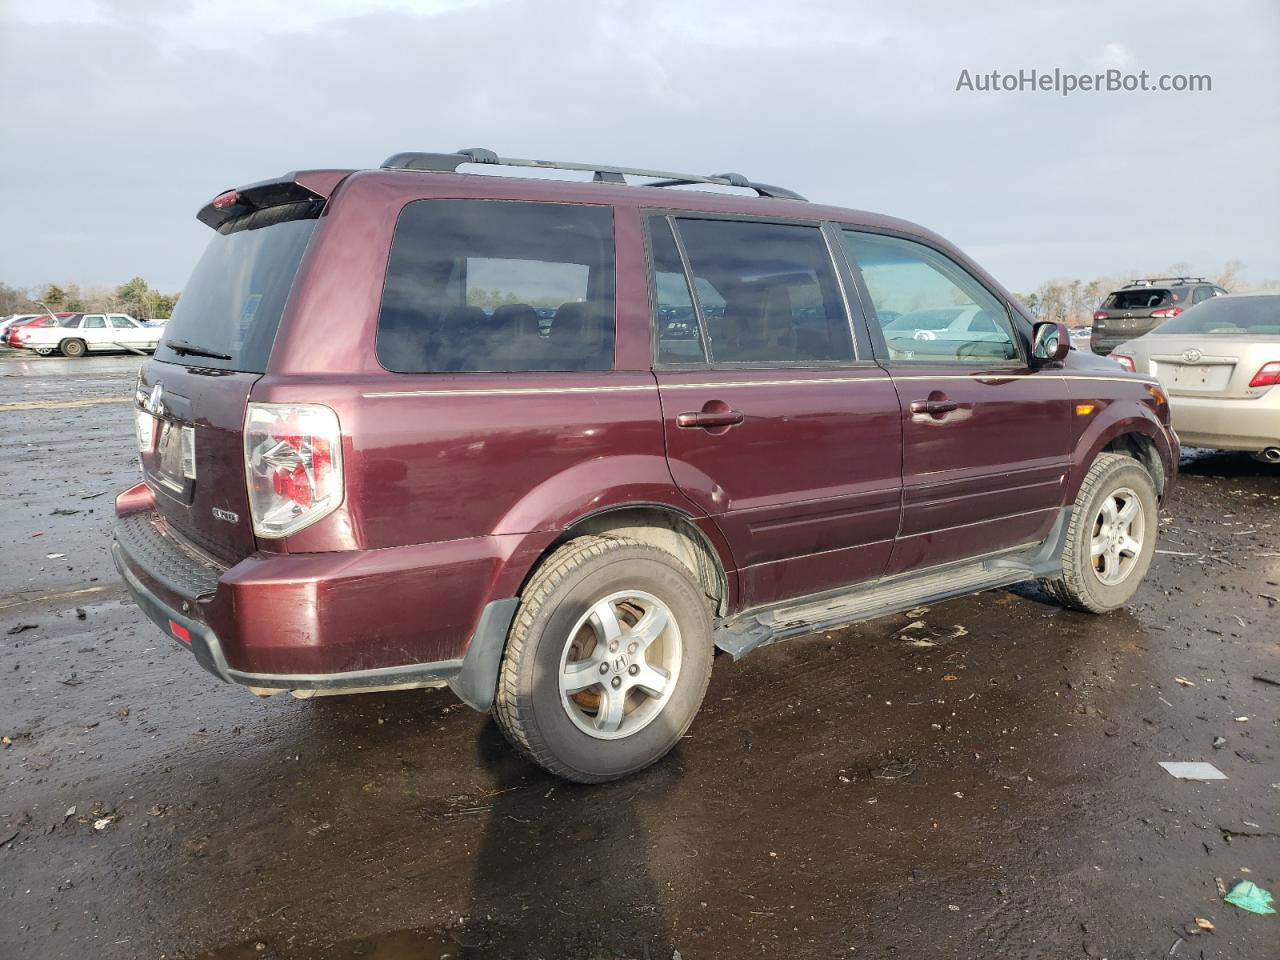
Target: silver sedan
{"x": 1219, "y": 361}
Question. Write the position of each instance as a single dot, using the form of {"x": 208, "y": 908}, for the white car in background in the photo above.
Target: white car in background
{"x": 94, "y": 333}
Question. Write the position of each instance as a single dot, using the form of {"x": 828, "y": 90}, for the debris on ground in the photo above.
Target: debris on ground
{"x": 103, "y": 822}
{"x": 1247, "y": 895}
{"x": 1192, "y": 770}
{"x": 20, "y": 627}
{"x": 1219, "y": 742}
{"x": 1183, "y": 681}
{"x": 895, "y": 769}
{"x": 55, "y": 556}
{"x": 1263, "y": 678}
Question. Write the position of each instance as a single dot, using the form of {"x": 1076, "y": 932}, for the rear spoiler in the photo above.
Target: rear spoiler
{"x": 298, "y": 187}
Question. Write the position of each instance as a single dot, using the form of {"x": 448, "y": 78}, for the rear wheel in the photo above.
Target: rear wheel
{"x": 72, "y": 348}
{"x": 43, "y": 351}
{"x": 1112, "y": 536}
{"x": 607, "y": 661}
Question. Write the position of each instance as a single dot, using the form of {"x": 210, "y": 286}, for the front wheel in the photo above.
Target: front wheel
{"x": 1111, "y": 538}
{"x": 607, "y": 660}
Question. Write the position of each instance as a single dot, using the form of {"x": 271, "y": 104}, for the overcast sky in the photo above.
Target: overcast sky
{"x": 120, "y": 118}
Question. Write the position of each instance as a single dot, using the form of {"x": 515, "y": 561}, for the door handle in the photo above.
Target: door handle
{"x": 934, "y": 407}
{"x": 709, "y": 419}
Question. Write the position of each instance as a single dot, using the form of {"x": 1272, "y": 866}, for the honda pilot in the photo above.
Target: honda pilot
{"x": 555, "y": 444}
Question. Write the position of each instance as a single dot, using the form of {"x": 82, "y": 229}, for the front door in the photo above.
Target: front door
{"x": 776, "y": 426}
{"x": 986, "y": 437}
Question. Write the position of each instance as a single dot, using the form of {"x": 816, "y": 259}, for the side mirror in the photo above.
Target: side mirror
{"x": 1050, "y": 342}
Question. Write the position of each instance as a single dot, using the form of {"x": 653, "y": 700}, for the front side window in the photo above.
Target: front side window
{"x": 929, "y": 308}
{"x": 94, "y": 323}
{"x": 122, "y": 323}
{"x": 498, "y": 286}
{"x": 768, "y": 292}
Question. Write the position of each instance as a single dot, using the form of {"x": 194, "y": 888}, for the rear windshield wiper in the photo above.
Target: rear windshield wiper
{"x": 195, "y": 350}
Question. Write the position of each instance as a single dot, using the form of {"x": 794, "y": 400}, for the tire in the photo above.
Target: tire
{"x": 72, "y": 348}
{"x": 43, "y": 351}
{"x": 1102, "y": 583}
{"x": 586, "y": 733}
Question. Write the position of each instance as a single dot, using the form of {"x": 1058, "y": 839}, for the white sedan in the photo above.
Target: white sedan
{"x": 93, "y": 333}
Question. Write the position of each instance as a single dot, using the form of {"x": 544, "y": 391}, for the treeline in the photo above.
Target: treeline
{"x": 1073, "y": 301}
{"x": 135, "y": 298}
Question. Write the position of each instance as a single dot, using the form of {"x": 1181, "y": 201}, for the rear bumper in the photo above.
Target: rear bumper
{"x": 1220, "y": 424}
{"x": 336, "y": 621}
{"x": 1103, "y": 346}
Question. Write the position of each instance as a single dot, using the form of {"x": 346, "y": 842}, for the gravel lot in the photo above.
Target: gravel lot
{"x": 992, "y": 792}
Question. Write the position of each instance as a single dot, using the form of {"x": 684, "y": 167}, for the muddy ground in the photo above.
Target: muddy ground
{"x": 854, "y": 794}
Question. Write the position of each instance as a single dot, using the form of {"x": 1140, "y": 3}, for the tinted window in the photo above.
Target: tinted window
{"x": 768, "y": 292}
{"x": 1145, "y": 298}
{"x": 489, "y": 285}
{"x": 233, "y": 301}
{"x": 928, "y": 307}
{"x": 1243, "y": 316}
{"x": 675, "y": 319}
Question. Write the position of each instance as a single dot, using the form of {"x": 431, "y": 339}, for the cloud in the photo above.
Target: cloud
{"x": 123, "y": 118}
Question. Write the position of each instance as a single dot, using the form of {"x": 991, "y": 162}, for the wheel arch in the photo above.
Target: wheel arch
{"x": 666, "y": 527}
{"x": 1140, "y": 436}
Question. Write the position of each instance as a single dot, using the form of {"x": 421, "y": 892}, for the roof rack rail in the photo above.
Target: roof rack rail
{"x": 1148, "y": 281}
{"x": 449, "y": 163}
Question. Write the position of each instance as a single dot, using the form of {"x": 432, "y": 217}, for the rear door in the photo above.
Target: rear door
{"x": 95, "y": 332}
{"x": 986, "y": 438}
{"x": 776, "y": 424}
{"x": 192, "y": 395}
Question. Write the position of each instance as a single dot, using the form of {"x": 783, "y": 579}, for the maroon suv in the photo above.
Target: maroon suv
{"x": 552, "y": 443}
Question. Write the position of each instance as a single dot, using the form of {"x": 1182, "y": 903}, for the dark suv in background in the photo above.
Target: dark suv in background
{"x": 1141, "y": 306}
{"x": 555, "y": 443}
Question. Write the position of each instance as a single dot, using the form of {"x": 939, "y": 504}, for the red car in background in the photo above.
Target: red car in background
{"x": 13, "y": 336}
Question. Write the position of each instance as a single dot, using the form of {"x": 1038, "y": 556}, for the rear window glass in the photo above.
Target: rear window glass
{"x": 1143, "y": 299}
{"x": 1225, "y": 316}
{"x": 231, "y": 306}
{"x": 498, "y": 286}
{"x": 768, "y": 292}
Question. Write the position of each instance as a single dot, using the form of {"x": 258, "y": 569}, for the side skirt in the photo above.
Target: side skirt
{"x": 739, "y": 635}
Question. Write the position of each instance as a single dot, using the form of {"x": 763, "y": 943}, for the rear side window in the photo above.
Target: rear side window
{"x": 768, "y": 292}
{"x": 94, "y": 323}
{"x": 498, "y": 286}
{"x": 231, "y": 306}
{"x": 929, "y": 308}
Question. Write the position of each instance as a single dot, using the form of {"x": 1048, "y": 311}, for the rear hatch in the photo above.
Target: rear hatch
{"x": 1126, "y": 314}
{"x": 191, "y": 397}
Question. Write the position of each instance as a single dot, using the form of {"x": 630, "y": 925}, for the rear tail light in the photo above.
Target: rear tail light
{"x": 1126, "y": 362}
{"x": 1099, "y": 314}
{"x": 293, "y": 463}
{"x": 1167, "y": 312}
{"x": 145, "y": 425}
{"x": 1268, "y": 376}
